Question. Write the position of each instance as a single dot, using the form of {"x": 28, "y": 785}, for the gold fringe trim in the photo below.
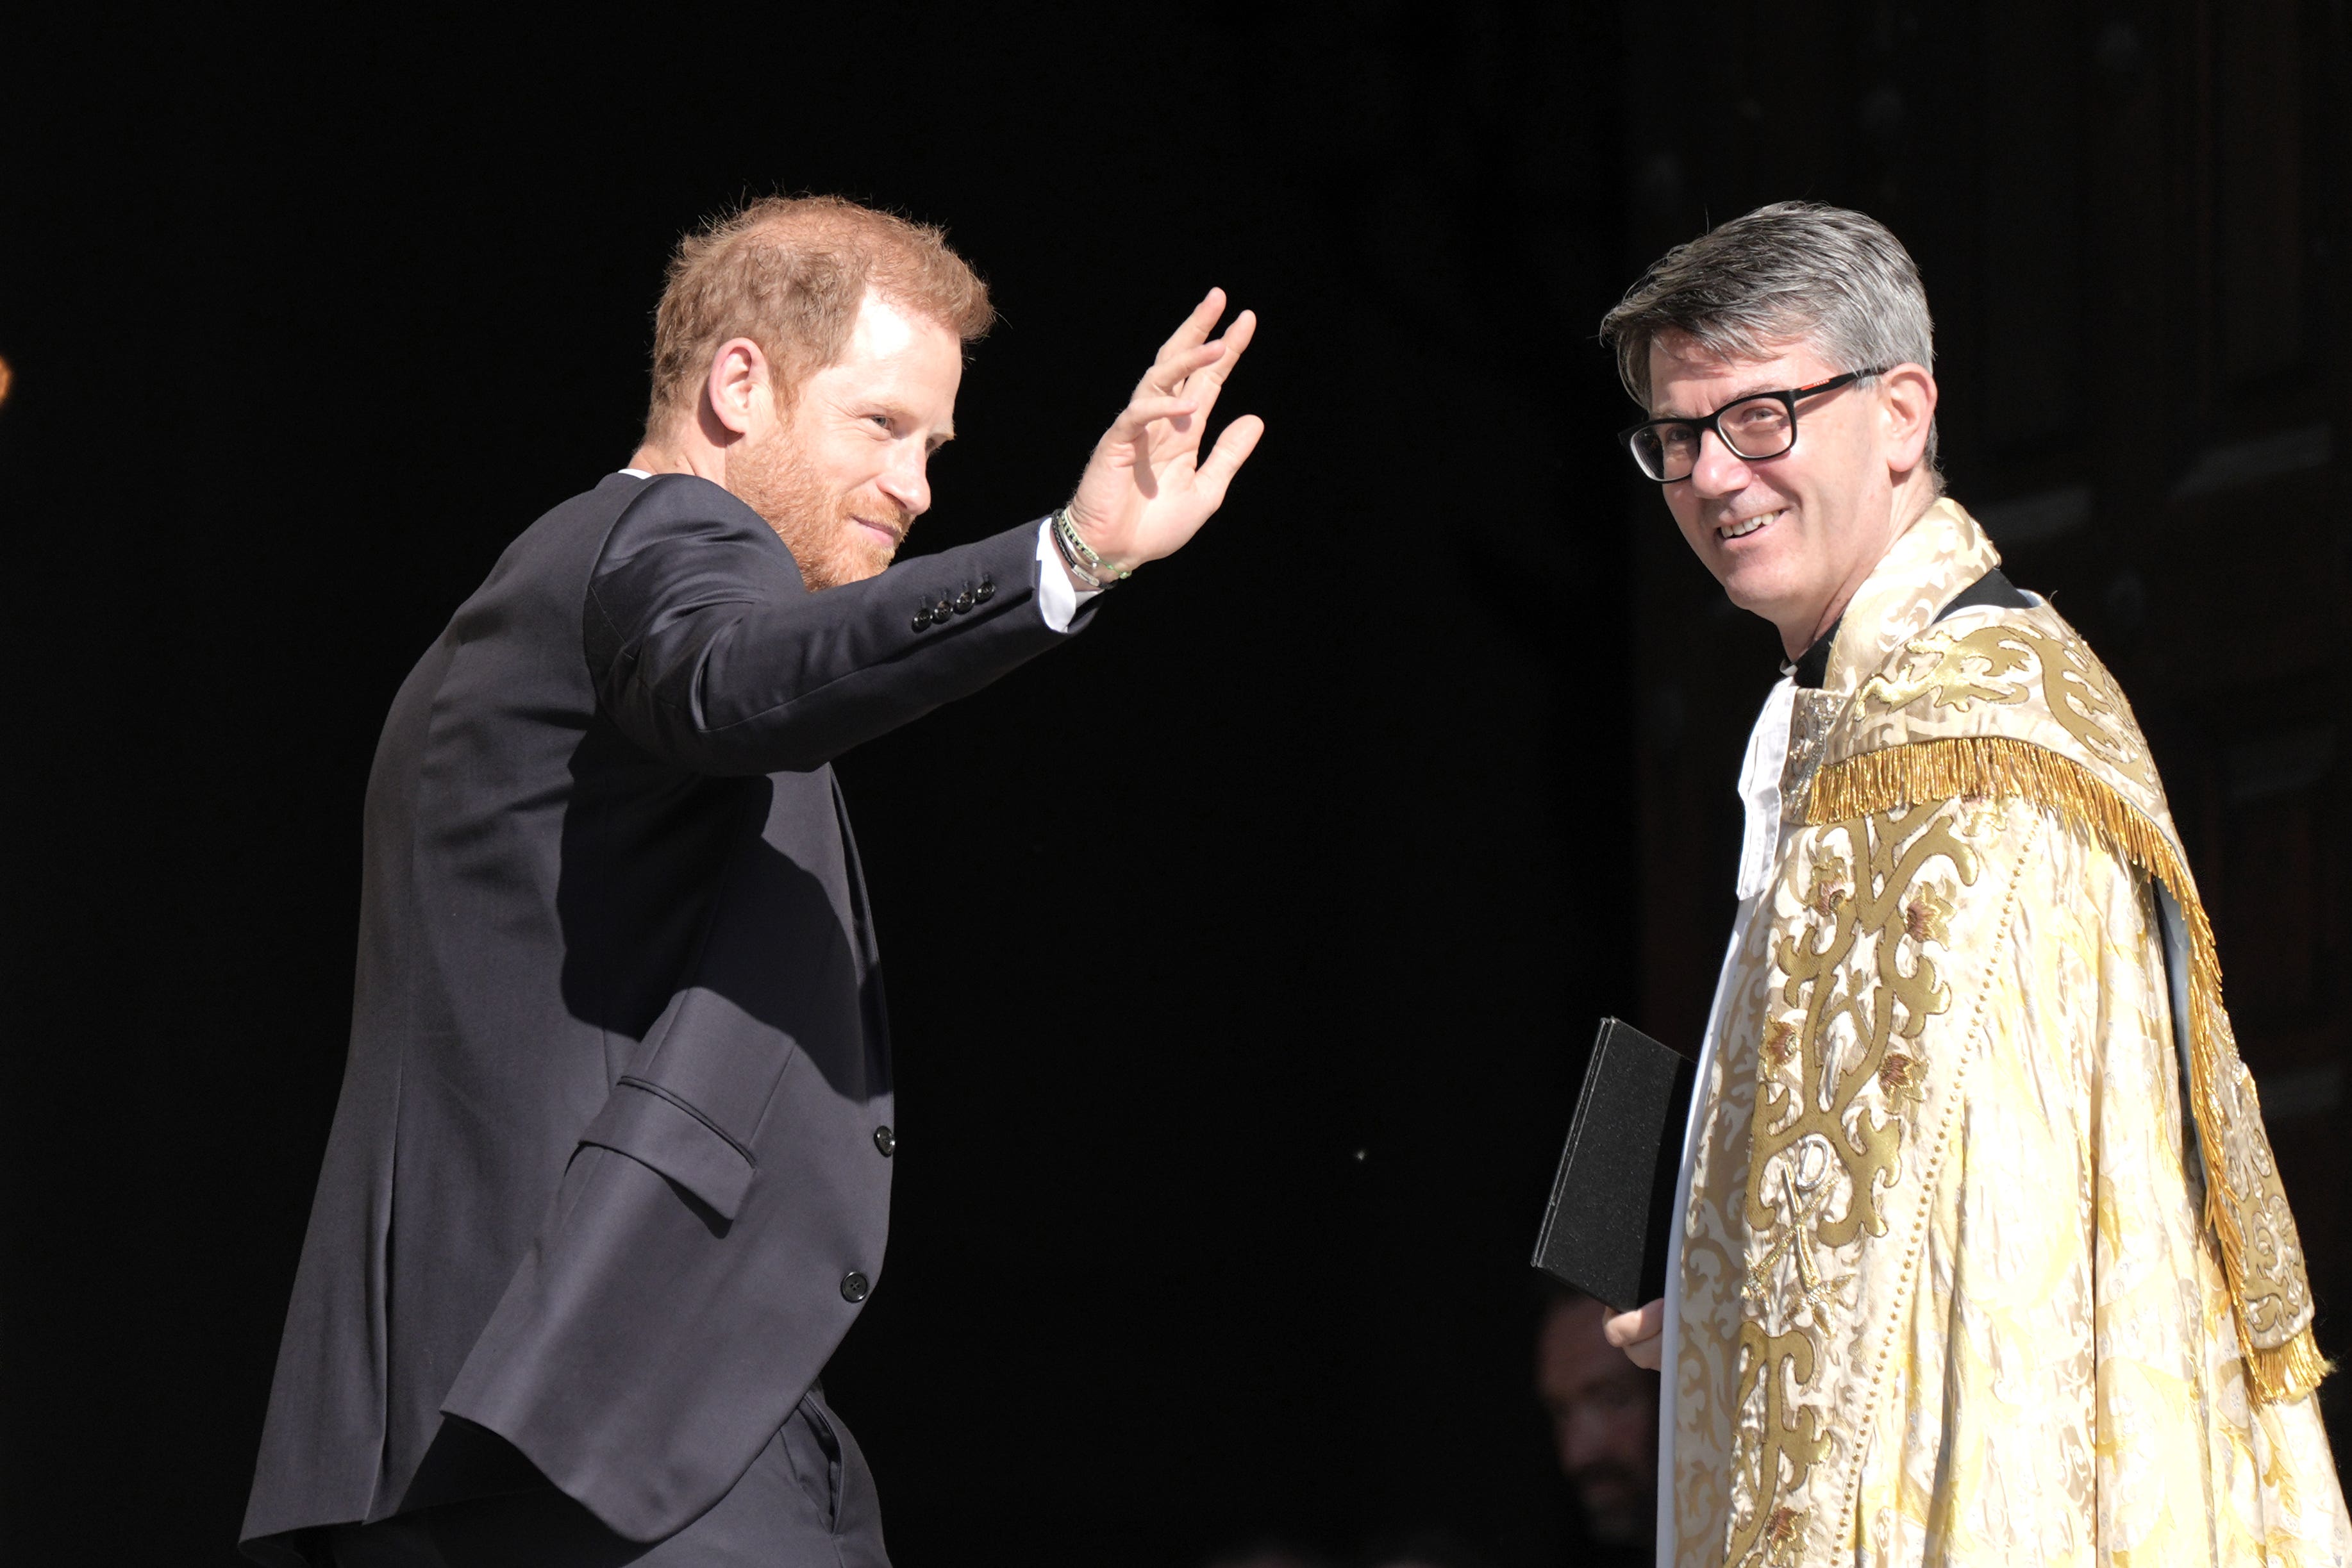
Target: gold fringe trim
{"x": 2001, "y": 767}
{"x": 2288, "y": 1372}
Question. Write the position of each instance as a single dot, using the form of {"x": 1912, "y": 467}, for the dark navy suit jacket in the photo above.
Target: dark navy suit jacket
{"x": 609, "y": 1177}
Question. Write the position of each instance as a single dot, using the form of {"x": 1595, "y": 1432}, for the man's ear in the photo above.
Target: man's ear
{"x": 738, "y": 389}
{"x": 1907, "y": 407}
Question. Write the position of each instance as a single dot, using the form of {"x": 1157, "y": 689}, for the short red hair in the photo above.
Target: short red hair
{"x": 789, "y": 273}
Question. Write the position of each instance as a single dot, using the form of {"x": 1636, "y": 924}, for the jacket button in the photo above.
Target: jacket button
{"x": 985, "y": 592}
{"x": 922, "y": 618}
{"x": 854, "y": 1286}
{"x": 943, "y": 610}
{"x": 886, "y": 1140}
{"x": 963, "y": 603}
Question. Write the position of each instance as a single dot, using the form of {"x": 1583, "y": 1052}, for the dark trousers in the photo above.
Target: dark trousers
{"x": 807, "y": 1501}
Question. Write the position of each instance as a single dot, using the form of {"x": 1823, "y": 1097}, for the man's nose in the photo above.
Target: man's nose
{"x": 1579, "y": 1444}
{"x": 908, "y": 482}
{"x": 1718, "y": 470}
{"x": 1588, "y": 1438}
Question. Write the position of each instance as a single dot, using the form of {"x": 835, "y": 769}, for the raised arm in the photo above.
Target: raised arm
{"x": 708, "y": 651}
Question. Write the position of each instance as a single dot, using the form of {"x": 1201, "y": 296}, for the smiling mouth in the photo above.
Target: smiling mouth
{"x": 893, "y": 536}
{"x": 1746, "y": 525}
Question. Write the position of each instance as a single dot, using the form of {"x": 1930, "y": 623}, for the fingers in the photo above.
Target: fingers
{"x": 1181, "y": 388}
{"x": 1139, "y": 415}
{"x": 1232, "y": 450}
{"x": 1197, "y": 325}
{"x": 1187, "y": 348}
{"x": 1171, "y": 371}
{"x": 1237, "y": 338}
{"x": 1203, "y": 383}
{"x": 1623, "y": 1329}
{"x": 1638, "y": 1333}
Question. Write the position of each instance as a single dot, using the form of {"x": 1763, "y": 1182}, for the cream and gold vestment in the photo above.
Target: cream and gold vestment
{"x": 1984, "y": 1260}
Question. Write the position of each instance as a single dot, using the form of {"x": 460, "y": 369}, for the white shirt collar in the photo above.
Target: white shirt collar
{"x": 1759, "y": 788}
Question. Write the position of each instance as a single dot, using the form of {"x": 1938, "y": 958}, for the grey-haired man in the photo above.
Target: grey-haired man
{"x": 1981, "y": 1256}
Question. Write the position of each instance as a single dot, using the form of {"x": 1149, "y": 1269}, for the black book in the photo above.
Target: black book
{"x": 1604, "y": 1231}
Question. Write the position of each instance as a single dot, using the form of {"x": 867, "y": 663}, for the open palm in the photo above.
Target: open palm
{"x": 1145, "y": 490}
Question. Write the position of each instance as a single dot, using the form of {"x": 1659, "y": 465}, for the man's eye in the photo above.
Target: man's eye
{"x": 882, "y": 420}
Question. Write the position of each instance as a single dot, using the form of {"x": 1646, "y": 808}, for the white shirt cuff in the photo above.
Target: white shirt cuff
{"x": 1058, "y": 598}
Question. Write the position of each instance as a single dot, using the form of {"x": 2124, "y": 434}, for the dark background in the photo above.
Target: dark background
{"x": 1242, "y": 955}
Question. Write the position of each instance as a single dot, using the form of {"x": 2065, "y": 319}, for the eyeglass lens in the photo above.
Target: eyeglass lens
{"x": 1756, "y": 428}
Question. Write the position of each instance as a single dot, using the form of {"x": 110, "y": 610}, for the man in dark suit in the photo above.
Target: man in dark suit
{"x": 609, "y": 1176}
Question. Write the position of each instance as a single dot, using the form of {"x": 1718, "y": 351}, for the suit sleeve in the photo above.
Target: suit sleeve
{"x": 709, "y": 650}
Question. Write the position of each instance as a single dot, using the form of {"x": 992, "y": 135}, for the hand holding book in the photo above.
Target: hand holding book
{"x": 1605, "y": 1231}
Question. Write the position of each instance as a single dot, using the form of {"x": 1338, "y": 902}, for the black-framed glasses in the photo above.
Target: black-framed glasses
{"x": 1760, "y": 426}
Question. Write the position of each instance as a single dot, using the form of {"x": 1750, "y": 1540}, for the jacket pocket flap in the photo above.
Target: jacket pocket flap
{"x": 656, "y": 1128}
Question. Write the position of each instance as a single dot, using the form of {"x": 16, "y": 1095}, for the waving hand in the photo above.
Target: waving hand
{"x": 1145, "y": 490}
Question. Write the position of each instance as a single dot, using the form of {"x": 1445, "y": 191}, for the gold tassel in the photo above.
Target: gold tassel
{"x": 2003, "y": 768}
{"x": 2288, "y": 1372}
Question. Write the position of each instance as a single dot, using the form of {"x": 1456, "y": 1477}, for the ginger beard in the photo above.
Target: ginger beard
{"x": 773, "y": 476}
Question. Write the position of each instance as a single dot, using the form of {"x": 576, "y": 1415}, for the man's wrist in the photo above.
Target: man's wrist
{"x": 1089, "y": 571}
{"x": 1060, "y": 596}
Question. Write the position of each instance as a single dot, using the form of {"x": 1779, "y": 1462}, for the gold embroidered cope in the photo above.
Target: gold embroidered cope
{"x": 1948, "y": 1292}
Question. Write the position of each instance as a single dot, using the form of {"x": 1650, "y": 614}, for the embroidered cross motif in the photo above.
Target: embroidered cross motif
{"x": 1797, "y": 1241}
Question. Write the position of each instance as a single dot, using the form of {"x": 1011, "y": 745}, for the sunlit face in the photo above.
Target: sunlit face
{"x": 1604, "y": 1414}
{"x": 844, "y": 473}
{"x": 1789, "y": 537}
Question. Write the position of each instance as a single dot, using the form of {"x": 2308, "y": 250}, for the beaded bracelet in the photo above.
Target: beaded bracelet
{"x": 1096, "y": 574}
{"x": 1069, "y": 560}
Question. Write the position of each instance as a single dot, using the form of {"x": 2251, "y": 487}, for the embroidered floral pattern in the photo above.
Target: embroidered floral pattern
{"x": 1944, "y": 1292}
{"x": 1832, "y": 1097}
